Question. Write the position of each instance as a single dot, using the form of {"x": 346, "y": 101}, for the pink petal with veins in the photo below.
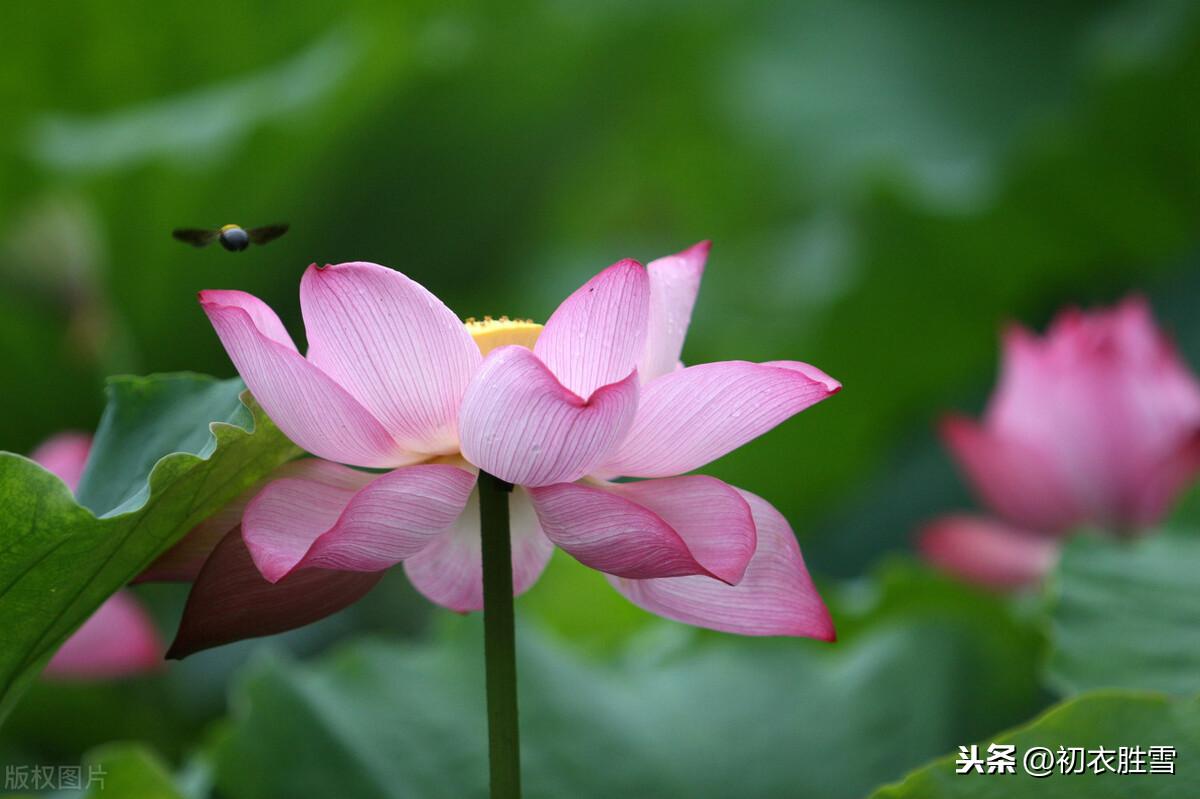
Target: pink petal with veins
{"x": 691, "y": 417}
{"x": 352, "y": 521}
{"x": 612, "y": 534}
{"x": 710, "y": 516}
{"x": 307, "y": 404}
{"x": 450, "y": 570}
{"x": 521, "y": 424}
{"x": 596, "y": 335}
{"x": 394, "y": 346}
{"x": 674, "y": 283}
{"x": 775, "y": 597}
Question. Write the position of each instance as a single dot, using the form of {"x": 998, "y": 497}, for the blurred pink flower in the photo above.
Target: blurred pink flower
{"x": 64, "y": 455}
{"x": 392, "y": 378}
{"x": 119, "y": 639}
{"x": 1096, "y": 423}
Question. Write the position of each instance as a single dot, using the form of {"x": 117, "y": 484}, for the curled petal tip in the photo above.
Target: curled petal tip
{"x": 627, "y": 263}
{"x": 821, "y": 629}
{"x": 814, "y": 374}
{"x": 832, "y": 385}
{"x": 231, "y": 298}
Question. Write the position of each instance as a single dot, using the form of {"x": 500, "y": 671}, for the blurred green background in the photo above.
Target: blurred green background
{"x": 885, "y": 184}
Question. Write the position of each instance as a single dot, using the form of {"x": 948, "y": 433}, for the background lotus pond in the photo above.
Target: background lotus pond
{"x": 885, "y": 184}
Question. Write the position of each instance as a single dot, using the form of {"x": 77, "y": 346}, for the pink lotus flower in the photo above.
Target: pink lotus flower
{"x": 64, "y": 455}
{"x": 1096, "y": 423}
{"x": 119, "y": 639}
{"x": 393, "y": 379}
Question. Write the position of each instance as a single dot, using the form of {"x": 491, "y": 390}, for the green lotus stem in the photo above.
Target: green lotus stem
{"x": 499, "y": 642}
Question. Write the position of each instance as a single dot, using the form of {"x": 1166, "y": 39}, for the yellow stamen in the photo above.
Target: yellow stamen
{"x": 492, "y": 333}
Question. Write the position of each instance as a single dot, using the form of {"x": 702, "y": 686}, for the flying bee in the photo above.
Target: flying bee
{"x": 234, "y": 238}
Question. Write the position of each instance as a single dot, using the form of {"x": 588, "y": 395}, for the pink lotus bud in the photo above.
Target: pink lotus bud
{"x": 119, "y": 639}
{"x": 1097, "y": 422}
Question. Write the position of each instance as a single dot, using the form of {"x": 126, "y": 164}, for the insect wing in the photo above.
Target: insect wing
{"x": 197, "y": 237}
{"x": 261, "y": 235}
